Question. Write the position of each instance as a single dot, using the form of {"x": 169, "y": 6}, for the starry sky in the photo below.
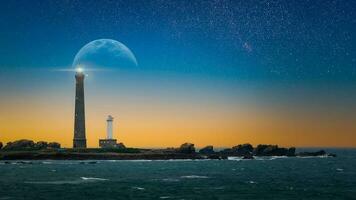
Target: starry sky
{"x": 209, "y": 72}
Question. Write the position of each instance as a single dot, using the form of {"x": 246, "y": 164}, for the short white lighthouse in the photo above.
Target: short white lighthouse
{"x": 110, "y": 142}
{"x": 109, "y": 127}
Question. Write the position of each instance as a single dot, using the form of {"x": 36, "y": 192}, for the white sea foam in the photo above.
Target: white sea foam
{"x": 193, "y": 177}
{"x": 277, "y": 157}
{"x": 323, "y": 156}
{"x": 339, "y": 169}
{"x": 165, "y": 197}
{"x": 234, "y": 158}
{"x": 62, "y": 182}
{"x": 138, "y": 188}
{"x": 93, "y": 179}
{"x": 55, "y": 182}
{"x": 170, "y": 180}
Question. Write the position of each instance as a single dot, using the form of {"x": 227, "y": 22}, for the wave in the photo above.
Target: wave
{"x": 322, "y": 156}
{"x": 65, "y": 182}
{"x": 170, "y": 180}
{"x": 194, "y": 177}
{"x": 93, "y": 179}
{"x": 234, "y": 158}
{"x": 55, "y": 182}
{"x": 270, "y": 157}
{"x": 138, "y": 188}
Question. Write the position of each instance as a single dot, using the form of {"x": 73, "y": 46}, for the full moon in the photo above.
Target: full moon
{"x": 106, "y": 53}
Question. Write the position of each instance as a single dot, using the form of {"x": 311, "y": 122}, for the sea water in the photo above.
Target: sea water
{"x": 262, "y": 178}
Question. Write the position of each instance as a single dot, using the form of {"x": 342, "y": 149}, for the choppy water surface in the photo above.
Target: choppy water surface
{"x": 263, "y": 178}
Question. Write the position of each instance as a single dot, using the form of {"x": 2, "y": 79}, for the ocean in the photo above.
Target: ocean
{"x": 262, "y": 178}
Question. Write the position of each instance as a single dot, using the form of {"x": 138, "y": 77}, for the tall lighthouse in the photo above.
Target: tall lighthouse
{"x": 79, "y": 140}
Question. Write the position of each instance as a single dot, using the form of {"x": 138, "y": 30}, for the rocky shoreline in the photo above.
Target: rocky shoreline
{"x": 29, "y": 150}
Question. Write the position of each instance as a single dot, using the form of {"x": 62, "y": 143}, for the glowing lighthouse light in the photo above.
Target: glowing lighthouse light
{"x": 79, "y": 70}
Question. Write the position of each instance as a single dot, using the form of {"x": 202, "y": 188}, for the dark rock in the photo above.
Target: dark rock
{"x": 54, "y": 145}
{"x": 120, "y": 145}
{"x": 271, "y": 150}
{"x": 248, "y": 157}
{"x": 207, "y": 150}
{"x": 227, "y": 151}
{"x": 20, "y": 145}
{"x": 0, "y": 145}
{"x": 258, "y": 151}
{"x": 242, "y": 150}
{"x": 213, "y": 156}
{"x": 332, "y": 155}
{"x": 25, "y": 162}
{"x": 316, "y": 153}
{"x": 187, "y": 148}
{"x": 291, "y": 151}
{"x": 41, "y": 145}
{"x": 216, "y": 157}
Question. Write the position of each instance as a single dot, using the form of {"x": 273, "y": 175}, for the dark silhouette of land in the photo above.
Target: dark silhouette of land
{"x": 29, "y": 150}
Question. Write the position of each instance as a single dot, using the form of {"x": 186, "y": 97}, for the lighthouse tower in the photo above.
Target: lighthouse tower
{"x": 109, "y": 142}
{"x": 79, "y": 140}
{"x": 109, "y": 127}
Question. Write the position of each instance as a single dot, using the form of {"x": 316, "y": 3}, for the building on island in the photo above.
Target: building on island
{"x": 109, "y": 142}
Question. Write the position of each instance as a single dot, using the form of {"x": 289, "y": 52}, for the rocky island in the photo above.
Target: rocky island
{"x": 30, "y": 150}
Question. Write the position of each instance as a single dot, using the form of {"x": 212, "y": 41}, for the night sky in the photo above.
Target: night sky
{"x": 209, "y": 72}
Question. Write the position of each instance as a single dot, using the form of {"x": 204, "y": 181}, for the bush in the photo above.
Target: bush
{"x": 29, "y": 145}
{"x": 20, "y": 145}
{"x": 54, "y": 145}
{"x": 41, "y": 145}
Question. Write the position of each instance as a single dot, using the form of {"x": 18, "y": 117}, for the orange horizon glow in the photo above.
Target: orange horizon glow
{"x": 163, "y": 125}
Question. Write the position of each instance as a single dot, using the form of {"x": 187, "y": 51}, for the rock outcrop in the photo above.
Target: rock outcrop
{"x": 227, "y": 151}
{"x": 291, "y": 152}
{"x": 247, "y": 151}
{"x": 0, "y": 145}
{"x": 207, "y": 150}
{"x": 186, "y": 148}
{"x": 242, "y": 150}
{"x": 273, "y": 150}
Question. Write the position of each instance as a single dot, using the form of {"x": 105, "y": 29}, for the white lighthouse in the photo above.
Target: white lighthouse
{"x": 109, "y": 128}
{"x": 109, "y": 142}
